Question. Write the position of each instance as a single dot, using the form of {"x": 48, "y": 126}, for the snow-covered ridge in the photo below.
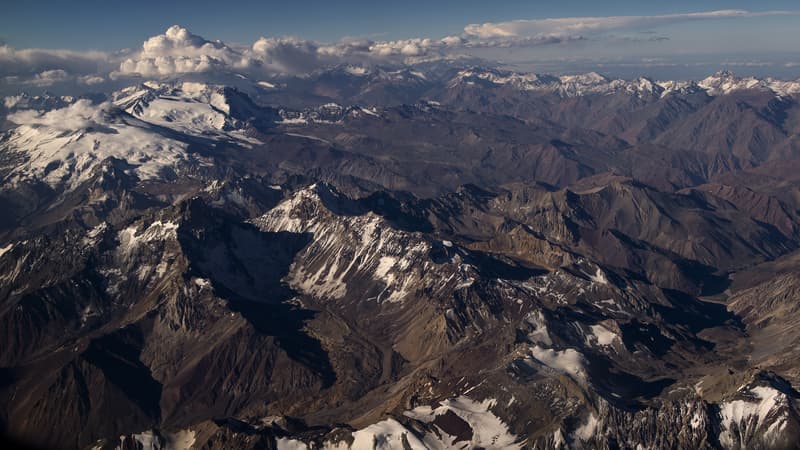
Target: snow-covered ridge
{"x": 61, "y": 140}
{"x": 721, "y": 83}
{"x": 62, "y": 147}
{"x": 329, "y": 113}
{"x": 374, "y": 73}
{"x": 487, "y": 430}
{"x": 725, "y": 82}
{"x": 195, "y": 109}
{"x": 757, "y": 412}
{"x": 350, "y": 246}
{"x": 345, "y": 247}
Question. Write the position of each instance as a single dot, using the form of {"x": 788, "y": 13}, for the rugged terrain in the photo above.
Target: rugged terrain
{"x": 376, "y": 258}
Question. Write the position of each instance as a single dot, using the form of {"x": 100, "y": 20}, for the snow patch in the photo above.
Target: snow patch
{"x": 148, "y": 440}
{"x": 202, "y": 282}
{"x": 385, "y": 264}
{"x": 356, "y": 70}
{"x": 386, "y": 435}
{"x": 600, "y": 335}
{"x": 290, "y": 444}
{"x": 587, "y": 430}
{"x": 539, "y": 333}
{"x": 182, "y": 440}
{"x": 370, "y": 112}
{"x": 6, "y": 249}
{"x": 599, "y": 277}
{"x": 697, "y": 421}
{"x": 568, "y": 361}
{"x": 300, "y": 120}
{"x": 306, "y": 136}
{"x": 488, "y": 431}
{"x": 129, "y": 238}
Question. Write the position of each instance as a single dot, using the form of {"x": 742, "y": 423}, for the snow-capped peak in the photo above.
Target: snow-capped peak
{"x": 593, "y": 83}
{"x": 61, "y": 141}
{"x": 358, "y": 71}
{"x": 591, "y": 78}
{"x": 196, "y": 109}
{"x": 62, "y": 147}
{"x": 760, "y": 411}
{"x": 724, "y": 82}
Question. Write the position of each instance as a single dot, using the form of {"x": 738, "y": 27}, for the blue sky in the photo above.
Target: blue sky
{"x": 111, "y": 25}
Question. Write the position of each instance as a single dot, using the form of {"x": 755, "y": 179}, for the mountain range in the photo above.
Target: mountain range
{"x": 429, "y": 257}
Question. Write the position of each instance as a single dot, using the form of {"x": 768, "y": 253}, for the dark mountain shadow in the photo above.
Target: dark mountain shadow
{"x": 647, "y": 335}
{"x": 7, "y": 378}
{"x": 402, "y": 213}
{"x": 402, "y": 210}
{"x": 285, "y": 323}
{"x": 779, "y": 383}
{"x": 491, "y": 266}
{"x": 246, "y": 266}
{"x": 8, "y": 442}
{"x": 338, "y": 203}
{"x": 694, "y": 314}
{"x": 705, "y": 277}
{"x": 623, "y": 389}
{"x": 117, "y": 355}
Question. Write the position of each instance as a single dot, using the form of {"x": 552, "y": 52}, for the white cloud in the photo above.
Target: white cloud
{"x": 91, "y": 80}
{"x": 579, "y": 26}
{"x": 41, "y": 68}
{"x": 404, "y": 47}
{"x": 15, "y": 62}
{"x": 289, "y": 55}
{"x": 49, "y": 78}
{"x": 79, "y": 115}
{"x": 178, "y": 51}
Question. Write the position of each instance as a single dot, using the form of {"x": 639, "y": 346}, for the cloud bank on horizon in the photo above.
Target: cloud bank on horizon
{"x": 179, "y": 52}
{"x": 576, "y": 25}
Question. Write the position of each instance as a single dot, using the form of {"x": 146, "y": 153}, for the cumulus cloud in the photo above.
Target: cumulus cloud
{"x": 178, "y": 51}
{"x": 91, "y": 80}
{"x": 49, "y": 77}
{"x": 290, "y": 55}
{"x": 572, "y": 27}
{"x": 405, "y": 47}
